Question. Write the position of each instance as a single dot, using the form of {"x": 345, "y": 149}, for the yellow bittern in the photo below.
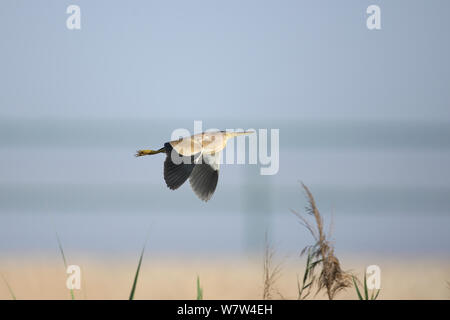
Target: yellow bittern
{"x": 196, "y": 157}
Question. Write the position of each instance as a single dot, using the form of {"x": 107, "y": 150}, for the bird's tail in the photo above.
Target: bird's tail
{"x": 141, "y": 153}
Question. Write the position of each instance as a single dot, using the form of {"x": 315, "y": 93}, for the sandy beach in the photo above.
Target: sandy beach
{"x": 164, "y": 278}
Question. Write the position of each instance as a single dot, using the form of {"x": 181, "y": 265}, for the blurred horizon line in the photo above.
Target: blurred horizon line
{"x": 294, "y": 133}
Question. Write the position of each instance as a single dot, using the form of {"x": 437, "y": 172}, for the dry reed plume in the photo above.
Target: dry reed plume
{"x": 271, "y": 272}
{"x": 331, "y": 277}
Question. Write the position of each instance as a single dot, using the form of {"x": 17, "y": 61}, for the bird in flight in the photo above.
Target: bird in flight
{"x": 196, "y": 157}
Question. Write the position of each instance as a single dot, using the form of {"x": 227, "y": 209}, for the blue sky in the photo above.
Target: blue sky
{"x": 363, "y": 118}
{"x": 238, "y": 59}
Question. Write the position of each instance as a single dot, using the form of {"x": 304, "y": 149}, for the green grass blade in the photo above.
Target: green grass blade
{"x": 366, "y": 292}
{"x": 357, "y": 289}
{"x": 199, "y": 290}
{"x": 136, "y": 276}
{"x": 72, "y": 295}
{"x": 11, "y": 292}
{"x": 61, "y": 251}
{"x": 308, "y": 266}
{"x": 299, "y": 289}
{"x": 376, "y": 296}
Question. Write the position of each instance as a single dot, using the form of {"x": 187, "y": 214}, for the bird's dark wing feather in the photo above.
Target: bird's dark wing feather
{"x": 203, "y": 180}
{"x": 176, "y": 173}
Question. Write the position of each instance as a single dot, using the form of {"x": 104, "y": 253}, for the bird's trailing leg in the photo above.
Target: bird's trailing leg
{"x": 141, "y": 153}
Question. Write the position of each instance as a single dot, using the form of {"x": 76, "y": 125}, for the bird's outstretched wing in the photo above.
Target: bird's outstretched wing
{"x": 202, "y": 171}
{"x": 205, "y": 175}
{"x": 177, "y": 168}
